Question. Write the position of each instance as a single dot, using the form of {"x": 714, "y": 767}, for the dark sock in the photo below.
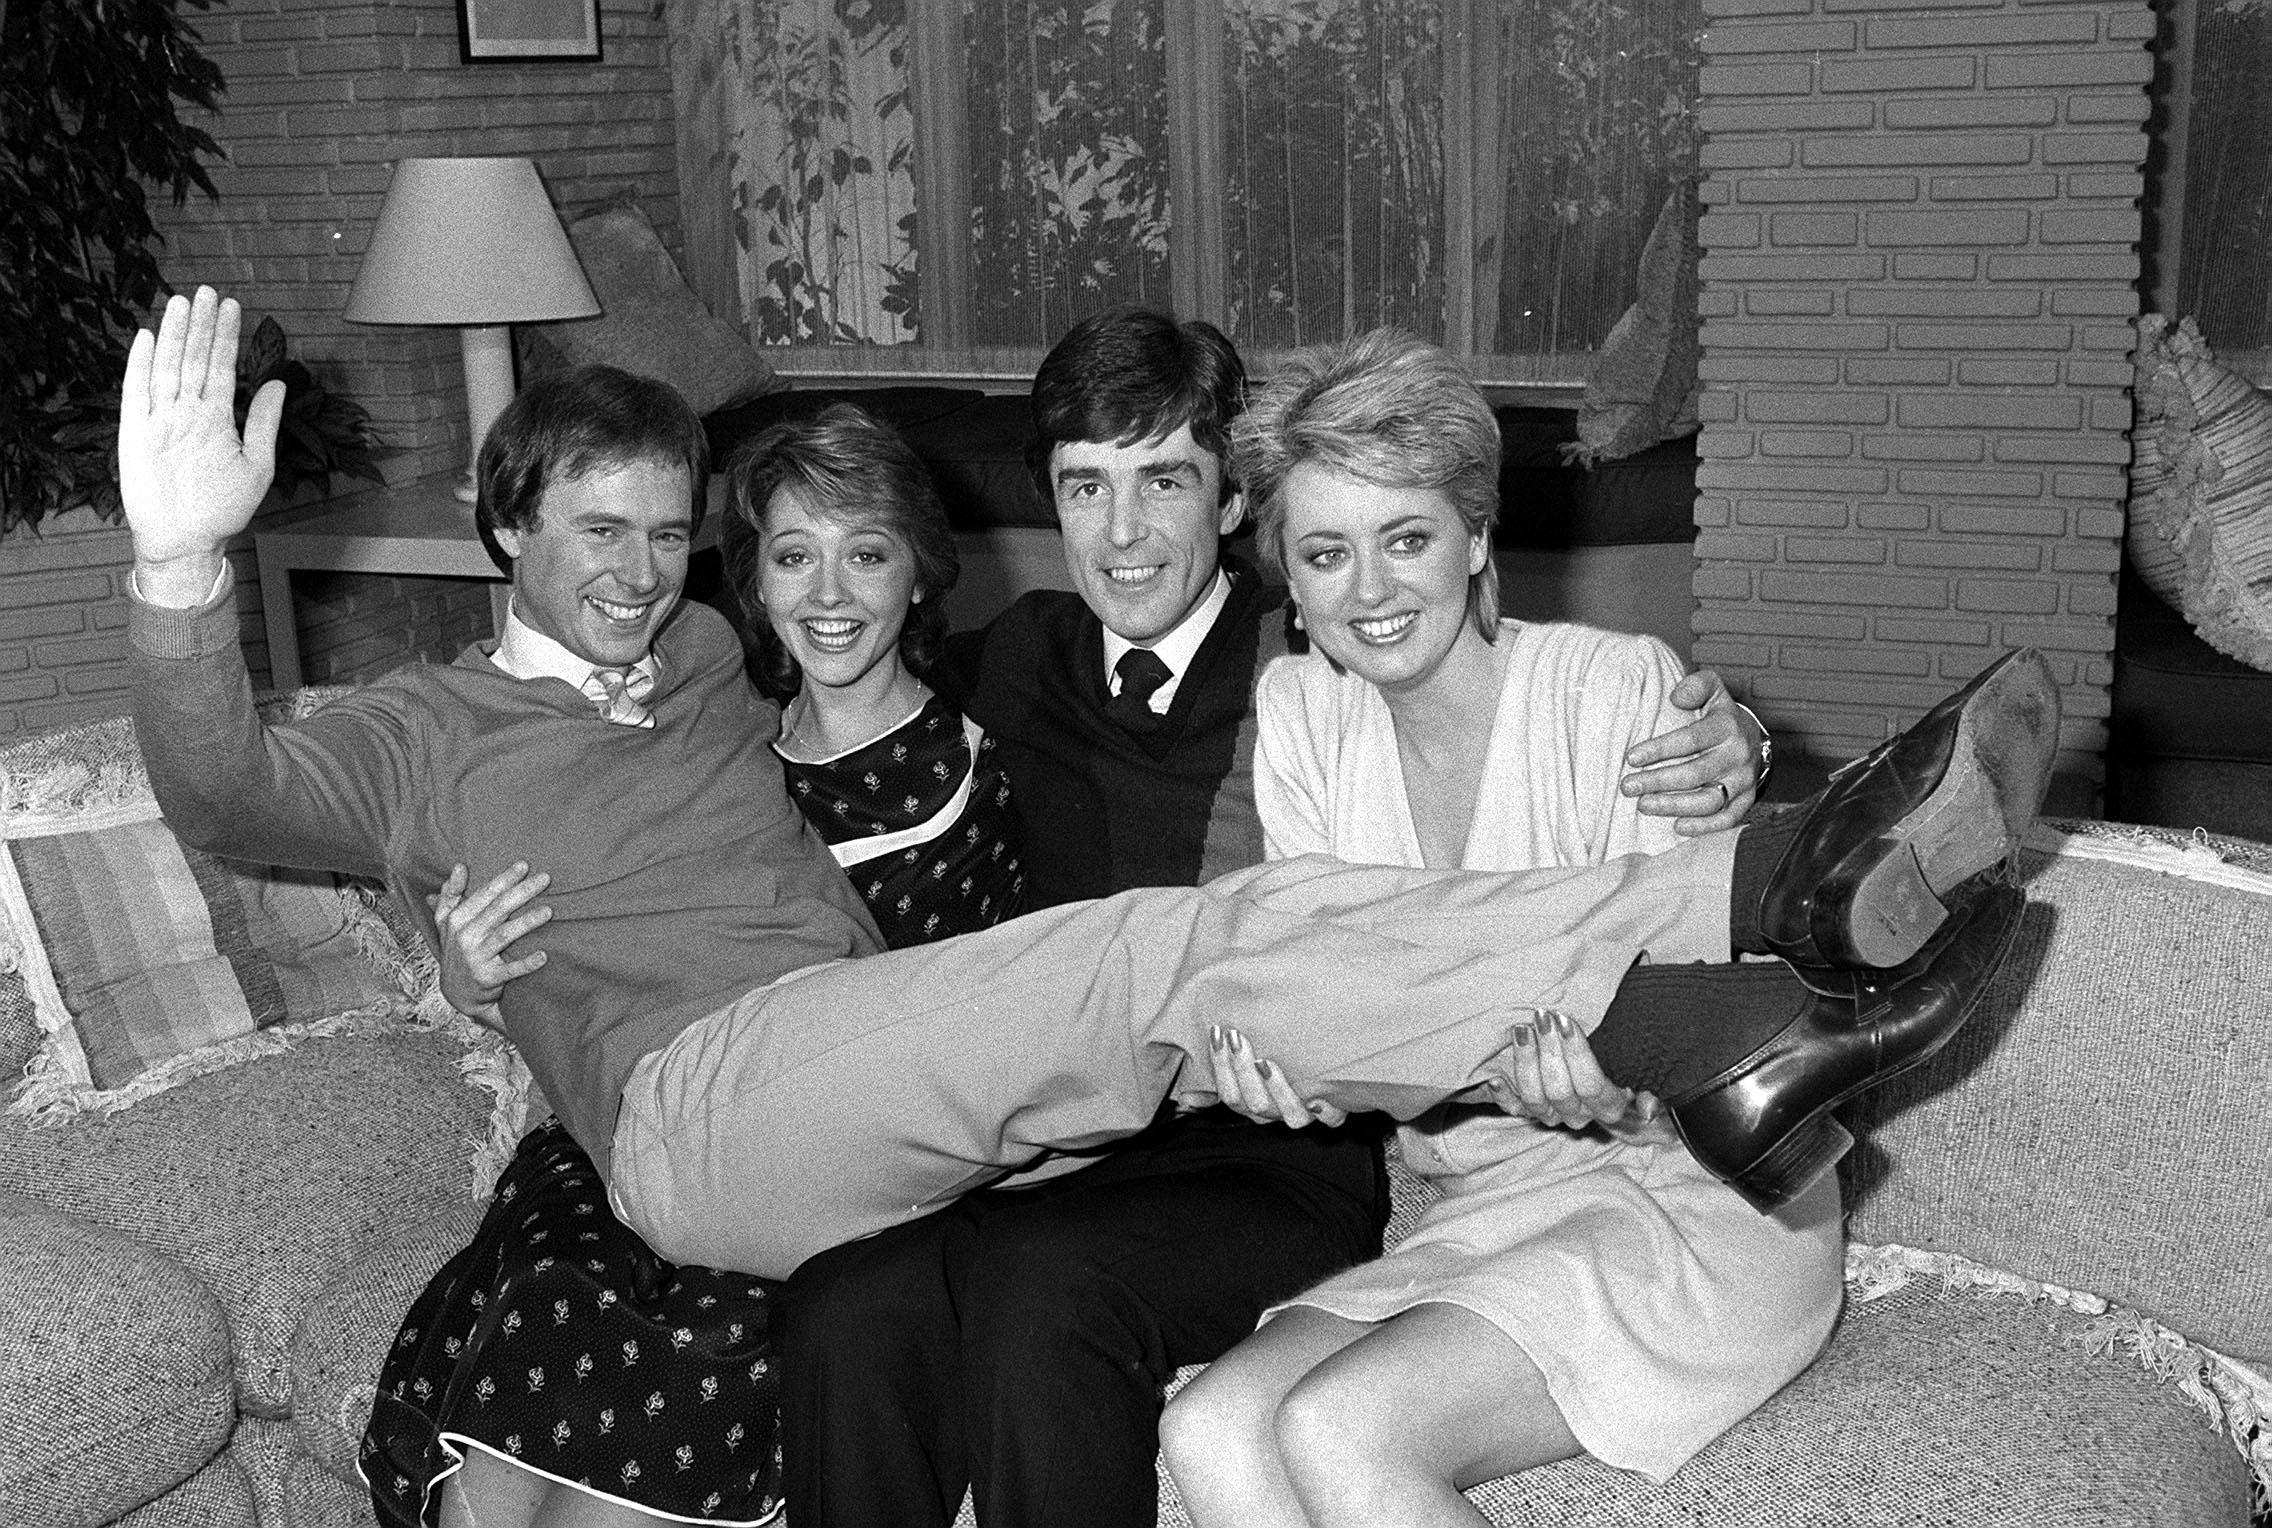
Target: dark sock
{"x": 1767, "y": 832}
{"x": 1671, "y": 1029}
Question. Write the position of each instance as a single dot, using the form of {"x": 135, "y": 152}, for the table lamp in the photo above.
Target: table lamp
{"x": 472, "y": 243}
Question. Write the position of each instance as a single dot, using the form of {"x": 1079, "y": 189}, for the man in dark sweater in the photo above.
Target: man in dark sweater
{"x": 1018, "y": 1343}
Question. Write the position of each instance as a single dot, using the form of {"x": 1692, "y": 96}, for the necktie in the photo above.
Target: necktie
{"x": 617, "y": 695}
{"x": 1141, "y": 673}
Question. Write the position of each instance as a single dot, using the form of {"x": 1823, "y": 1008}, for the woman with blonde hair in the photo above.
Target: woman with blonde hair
{"x": 1582, "y": 1285}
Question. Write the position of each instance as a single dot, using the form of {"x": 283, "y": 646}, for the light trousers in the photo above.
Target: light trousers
{"x": 858, "y": 1095}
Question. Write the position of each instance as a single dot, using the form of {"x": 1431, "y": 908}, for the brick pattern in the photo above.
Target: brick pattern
{"x": 63, "y": 622}
{"x": 323, "y": 96}
{"x": 355, "y": 626}
{"x": 1919, "y": 261}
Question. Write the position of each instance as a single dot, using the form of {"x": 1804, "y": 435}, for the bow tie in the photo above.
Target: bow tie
{"x": 618, "y": 695}
{"x": 1141, "y": 673}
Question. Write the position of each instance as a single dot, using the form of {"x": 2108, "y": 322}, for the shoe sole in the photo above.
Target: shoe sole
{"x": 1814, "y": 1145}
{"x": 1998, "y": 771}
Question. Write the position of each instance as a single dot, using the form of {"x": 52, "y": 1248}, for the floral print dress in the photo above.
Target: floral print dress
{"x": 557, "y": 1339}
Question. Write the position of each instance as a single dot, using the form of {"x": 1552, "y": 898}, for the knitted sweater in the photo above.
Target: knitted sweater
{"x": 1105, "y": 809}
{"x": 682, "y": 876}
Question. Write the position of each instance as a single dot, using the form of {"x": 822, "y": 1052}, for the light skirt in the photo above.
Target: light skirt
{"x": 1659, "y": 1306}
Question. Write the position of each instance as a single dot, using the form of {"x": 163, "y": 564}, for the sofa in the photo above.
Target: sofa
{"x": 2060, "y": 1271}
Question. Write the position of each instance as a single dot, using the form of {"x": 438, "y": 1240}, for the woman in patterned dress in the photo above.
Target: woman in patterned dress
{"x": 1582, "y": 1284}
{"x": 577, "y": 1377}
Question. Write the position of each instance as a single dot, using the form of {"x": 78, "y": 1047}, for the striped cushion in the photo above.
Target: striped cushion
{"x": 146, "y": 961}
{"x": 2200, "y": 529}
{"x": 157, "y": 949}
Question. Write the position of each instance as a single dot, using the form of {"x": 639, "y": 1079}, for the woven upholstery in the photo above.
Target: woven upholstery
{"x": 2101, "y": 1140}
{"x": 267, "y": 1450}
{"x": 351, "y": 1324}
{"x": 114, "y": 1370}
{"x": 19, "y": 1026}
{"x": 315, "y": 1498}
{"x": 217, "y": 1496}
{"x": 1931, "y": 1411}
{"x": 268, "y": 1179}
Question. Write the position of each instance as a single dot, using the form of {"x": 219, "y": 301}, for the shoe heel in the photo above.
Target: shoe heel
{"x": 1892, "y": 911}
{"x": 1793, "y": 1164}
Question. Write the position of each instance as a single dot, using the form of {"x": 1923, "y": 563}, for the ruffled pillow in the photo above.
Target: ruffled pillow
{"x": 2200, "y": 531}
{"x": 143, "y": 962}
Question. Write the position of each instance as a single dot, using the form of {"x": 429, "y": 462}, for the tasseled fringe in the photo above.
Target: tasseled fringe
{"x": 2195, "y": 856}
{"x": 84, "y": 768}
{"x": 49, "y": 1095}
{"x": 2234, "y": 1397}
{"x": 410, "y": 967}
{"x": 495, "y": 1063}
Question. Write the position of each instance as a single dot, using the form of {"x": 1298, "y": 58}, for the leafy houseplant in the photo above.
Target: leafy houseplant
{"x": 323, "y": 434}
{"x": 89, "y": 91}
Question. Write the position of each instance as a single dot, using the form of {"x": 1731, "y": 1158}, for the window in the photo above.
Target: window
{"x": 2210, "y": 181}
{"x": 922, "y": 185}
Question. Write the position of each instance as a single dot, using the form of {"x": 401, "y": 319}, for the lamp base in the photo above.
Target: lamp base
{"x": 488, "y": 354}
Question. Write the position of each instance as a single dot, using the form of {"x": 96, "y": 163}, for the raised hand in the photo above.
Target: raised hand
{"x": 1707, "y": 773}
{"x": 189, "y": 480}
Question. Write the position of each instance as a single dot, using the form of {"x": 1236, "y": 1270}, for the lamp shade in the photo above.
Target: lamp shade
{"x": 468, "y": 241}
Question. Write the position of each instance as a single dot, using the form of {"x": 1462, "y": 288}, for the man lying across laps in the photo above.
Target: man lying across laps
{"x": 754, "y": 1094}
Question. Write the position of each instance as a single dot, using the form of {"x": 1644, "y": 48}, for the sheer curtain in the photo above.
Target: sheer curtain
{"x": 929, "y": 185}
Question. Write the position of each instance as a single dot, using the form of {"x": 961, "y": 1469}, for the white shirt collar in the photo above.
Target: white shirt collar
{"x": 526, "y": 653}
{"x": 1177, "y": 648}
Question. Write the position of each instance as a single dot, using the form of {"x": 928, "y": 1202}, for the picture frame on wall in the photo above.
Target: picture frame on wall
{"x": 524, "y": 31}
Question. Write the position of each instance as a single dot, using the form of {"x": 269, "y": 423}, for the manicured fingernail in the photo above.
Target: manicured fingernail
{"x": 1563, "y": 1023}
{"x": 1215, "y": 1036}
{"x": 1318, "y": 1110}
{"x": 1522, "y": 1034}
{"x": 1238, "y": 1042}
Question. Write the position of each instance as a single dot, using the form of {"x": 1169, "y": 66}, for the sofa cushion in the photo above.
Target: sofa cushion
{"x": 2103, "y": 1121}
{"x": 269, "y": 1179}
{"x": 2200, "y": 530}
{"x": 315, "y": 1498}
{"x": 114, "y": 1370}
{"x": 650, "y": 323}
{"x": 1964, "y": 1410}
{"x": 350, "y": 1326}
{"x": 147, "y": 961}
{"x": 19, "y": 1023}
{"x": 1641, "y": 388}
{"x": 269, "y": 1452}
{"x": 217, "y": 1496}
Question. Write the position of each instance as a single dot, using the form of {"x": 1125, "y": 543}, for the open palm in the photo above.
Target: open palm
{"x": 188, "y": 480}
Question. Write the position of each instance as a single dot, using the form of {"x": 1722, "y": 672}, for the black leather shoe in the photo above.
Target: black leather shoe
{"x": 1870, "y": 873}
{"x": 1764, "y": 1125}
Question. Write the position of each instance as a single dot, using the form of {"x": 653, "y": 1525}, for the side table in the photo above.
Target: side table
{"x": 419, "y": 528}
